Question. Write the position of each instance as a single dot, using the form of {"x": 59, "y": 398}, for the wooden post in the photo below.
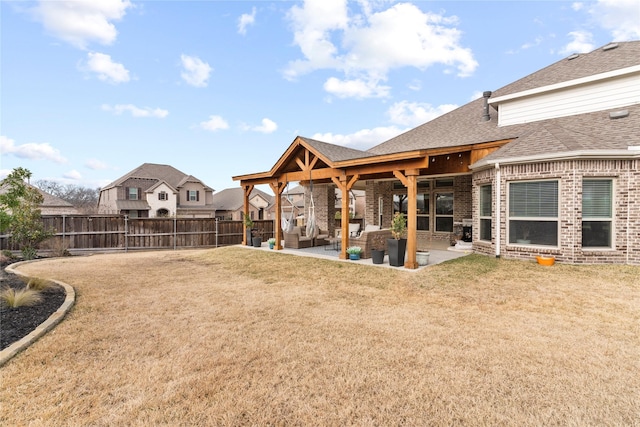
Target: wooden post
{"x": 410, "y": 180}
{"x": 344, "y": 184}
{"x": 278, "y": 187}
{"x": 247, "y": 194}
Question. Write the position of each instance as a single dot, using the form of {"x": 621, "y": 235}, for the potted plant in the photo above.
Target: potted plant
{"x": 256, "y": 238}
{"x": 248, "y": 228}
{"x": 271, "y": 242}
{"x": 377, "y": 249}
{"x": 398, "y": 245}
{"x": 354, "y": 252}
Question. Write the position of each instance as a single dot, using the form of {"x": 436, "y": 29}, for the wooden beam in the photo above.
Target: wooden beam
{"x": 344, "y": 183}
{"x": 248, "y": 188}
{"x": 412, "y": 219}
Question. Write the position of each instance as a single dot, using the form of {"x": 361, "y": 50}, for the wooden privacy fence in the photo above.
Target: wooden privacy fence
{"x": 86, "y": 233}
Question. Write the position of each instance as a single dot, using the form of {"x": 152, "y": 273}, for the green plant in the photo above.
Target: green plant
{"x": 354, "y": 250}
{"x": 247, "y": 221}
{"x": 272, "y": 241}
{"x": 20, "y": 213}
{"x": 398, "y": 225}
{"x": 21, "y": 297}
{"x": 39, "y": 284}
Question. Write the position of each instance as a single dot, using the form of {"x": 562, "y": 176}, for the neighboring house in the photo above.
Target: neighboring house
{"x": 229, "y": 204}
{"x": 53, "y": 205}
{"x": 549, "y": 164}
{"x": 154, "y": 190}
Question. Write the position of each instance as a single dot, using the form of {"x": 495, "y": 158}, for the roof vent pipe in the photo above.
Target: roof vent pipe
{"x": 485, "y": 108}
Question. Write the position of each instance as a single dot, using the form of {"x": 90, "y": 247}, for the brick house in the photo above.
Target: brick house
{"x": 229, "y": 204}
{"x": 154, "y": 190}
{"x": 547, "y": 165}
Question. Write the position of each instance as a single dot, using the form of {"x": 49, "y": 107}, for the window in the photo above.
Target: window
{"x": 133, "y": 193}
{"x": 400, "y": 204}
{"x": 485, "y": 212}
{"x": 162, "y": 213}
{"x": 444, "y": 212}
{"x": 163, "y": 195}
{"x": 597, "y": 212}
{"x": 533, "y": 213}
{"x": 193, "y": 195}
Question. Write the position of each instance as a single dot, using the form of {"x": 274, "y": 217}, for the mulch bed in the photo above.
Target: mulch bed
{"x": 16, "y": 323}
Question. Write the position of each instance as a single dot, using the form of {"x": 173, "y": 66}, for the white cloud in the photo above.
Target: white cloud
{"x": 95, "y": 164}
{"x": 106, "y": 69}
{"x": 215, "y": 123}
{"x": 372, "y": 44}
{"x": 136, "y": 111}
{"x": 356, "y": 88}
{"x": 416, "y": 113}
{"x": 577, "y": 6}
{"x": 30, "y": 151}
{"x": 267, "y": 126}
{"x": 362, "y": 139}
{"x": 73, "y": 175}
{"x": 196, "y": 72}
{"x": 582, "y": 42}
{"x": 621, "y": 17}
{"x": 80, "y": 22}
{"x": 246, "y": 20}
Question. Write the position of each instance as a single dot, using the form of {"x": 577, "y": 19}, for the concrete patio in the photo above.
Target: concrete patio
{"x": 438, "y": 252}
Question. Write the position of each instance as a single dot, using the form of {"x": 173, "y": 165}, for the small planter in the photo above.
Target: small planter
{"x": 546, "y": 260}
{"x": 257, "y": 242}
{"x": 354, "y": 257}
{"x": 377, "y": 256}
{"x": 271, "y": 242}
{"x": 271, "y": 245}
{"x": 422, "y": 258}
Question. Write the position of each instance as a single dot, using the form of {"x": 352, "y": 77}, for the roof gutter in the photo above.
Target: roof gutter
{"x": 630, "y": 153}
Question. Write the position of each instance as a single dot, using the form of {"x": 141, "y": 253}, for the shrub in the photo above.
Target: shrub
{"x": 38, "y": 284}
{"x": 20, "y": 297}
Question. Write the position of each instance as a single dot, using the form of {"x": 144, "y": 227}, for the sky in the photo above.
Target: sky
{"x": 92, "y": 89}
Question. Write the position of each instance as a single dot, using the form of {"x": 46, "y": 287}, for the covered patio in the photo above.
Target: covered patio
{"x": 392, "y": 182}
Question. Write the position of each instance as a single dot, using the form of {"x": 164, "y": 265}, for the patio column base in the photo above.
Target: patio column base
{"x": 411, "y": 265}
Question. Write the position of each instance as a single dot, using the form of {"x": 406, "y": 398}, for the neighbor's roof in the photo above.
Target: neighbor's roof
{"x": 153, "y": 171}
{"x": 232, "y": 199}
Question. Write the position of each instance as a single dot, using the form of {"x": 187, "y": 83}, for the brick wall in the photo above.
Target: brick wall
{"x": 570, "y": 173}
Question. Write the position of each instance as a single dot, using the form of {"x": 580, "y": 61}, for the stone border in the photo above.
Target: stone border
{"x": 44, "y": 327}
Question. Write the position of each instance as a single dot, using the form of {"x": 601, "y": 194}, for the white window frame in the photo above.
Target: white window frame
{"x": 538, "y": 219}
{"x": 483, "y": 217}
{"x": 133, "y": 193}
{"x": 192, "y": 195}
{"x": 610, "y": 219}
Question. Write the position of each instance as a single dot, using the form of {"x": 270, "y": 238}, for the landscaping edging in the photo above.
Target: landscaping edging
{"x": 44, "y": 327}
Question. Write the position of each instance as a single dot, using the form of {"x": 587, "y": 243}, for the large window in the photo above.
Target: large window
{"x": 485, "y": 212}
{"x": 597, "y": 212}
{"x": 400, "y": 204}
{"x": 444, "y": 212}
{"x": 533, "y": 213}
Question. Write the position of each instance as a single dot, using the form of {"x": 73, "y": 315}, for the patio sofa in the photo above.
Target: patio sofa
{"x": 296, "y": 239}
{"x": 365, "y": 239}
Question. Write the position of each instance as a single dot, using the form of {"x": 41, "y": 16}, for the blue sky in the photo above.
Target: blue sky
{"x": 92, "y": 89}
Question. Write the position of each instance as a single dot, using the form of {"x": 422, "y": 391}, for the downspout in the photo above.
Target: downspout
{"x": 498, "y": 209}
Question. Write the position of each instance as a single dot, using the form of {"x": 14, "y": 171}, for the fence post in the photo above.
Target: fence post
{"x": 126, "y": 232}
{"x": 175, "y": 232}
{"x": 216, "y": 232}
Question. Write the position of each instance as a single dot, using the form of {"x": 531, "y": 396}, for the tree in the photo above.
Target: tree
{"x": 83, "y": 198}
{"x": 20, "y": 213}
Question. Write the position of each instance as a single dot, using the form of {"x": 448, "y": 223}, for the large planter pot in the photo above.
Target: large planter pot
{"x": 396, "y": 249}
{"x": 422, "y": 258}
{"x": 257, "y": 242}
{"x": 249, "y": 236}
{"x": 377, "y": 256}
{"x": 354, "y": 257}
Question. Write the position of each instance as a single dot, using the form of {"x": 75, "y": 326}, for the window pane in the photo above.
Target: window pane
{"x": 400, "y": 203}
{"x": 485, "y": 229}
{"x": 533, "y": 199}
{"x": 533, "y": 232}
{"x": 596, "y": 234}
{"x": 444, "y": 204}
{"x": 596, "y": 198}
{"x": 423, "y": 222}
{"x": 485, "y": 200}
{"x": 444, "y": 224}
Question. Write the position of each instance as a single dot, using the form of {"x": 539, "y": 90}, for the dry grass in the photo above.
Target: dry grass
{"x": 240, "y": 337}
{"x": 20, "y": 297}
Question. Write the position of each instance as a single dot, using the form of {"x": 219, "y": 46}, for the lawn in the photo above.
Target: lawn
{"x": 233, "y": 336}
